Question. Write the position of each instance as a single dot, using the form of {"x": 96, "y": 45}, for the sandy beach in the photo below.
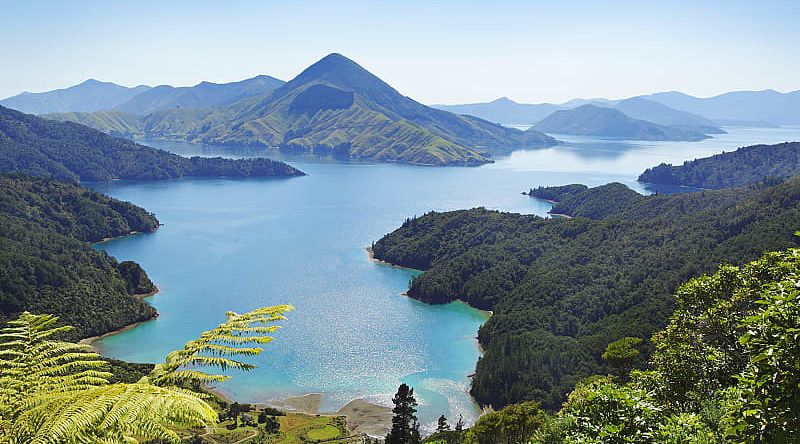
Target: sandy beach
{"x": 362, "y": 416}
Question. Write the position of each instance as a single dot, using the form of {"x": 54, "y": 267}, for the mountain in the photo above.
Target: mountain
{"x": 745, "y": 166}
{"x": 91, "y": 95}
{"x": 67, "y": 150}
{"x": 48, "y": 266}
{"x": 562, "y": 290}
{"x": 336, "y": 107}
{"x": 752, "y": 106}
{"x": 644, "y": 109}
{"x": 591, "y": 120}
{"x": 504, "y": 110}
{"x": 202, "y": 95}
{"x": 574, "y": 103}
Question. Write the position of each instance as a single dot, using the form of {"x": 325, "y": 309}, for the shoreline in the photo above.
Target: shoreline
{"x": 363, "y": 416}
{"x": 488, "y": 314}
{"x": 372, "y": 258}
{"x": 92, "y": 339}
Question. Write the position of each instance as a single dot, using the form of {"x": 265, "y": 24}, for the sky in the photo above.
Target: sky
{"x": 433, "y": 51}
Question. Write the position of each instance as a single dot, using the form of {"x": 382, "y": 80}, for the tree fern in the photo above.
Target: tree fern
{"x": 57, "y": 392}
{"x": 240, "y": 335}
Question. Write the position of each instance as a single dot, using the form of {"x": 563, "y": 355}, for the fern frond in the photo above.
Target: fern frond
{"x": 216, "y": 348}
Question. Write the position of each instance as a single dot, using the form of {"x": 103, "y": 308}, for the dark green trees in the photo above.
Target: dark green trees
{"x": 562, "y": 290}
{"x": 405, "y": 427}
{"x": 745, "y": 166}
{"x": 515, "y": 424}
{"x": 47, "y": 266}
{"x": 622, "y": 354}
{"x": 66, "y": 150}
{"x": 726, "y": 369}
{"x": 272, "y": 425}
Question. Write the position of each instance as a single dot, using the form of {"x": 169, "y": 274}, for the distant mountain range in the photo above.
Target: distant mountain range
{"x": 591, "y": 120}
{"x": 334, "y": 107}
{"x": 750, "y": 106}
{"x": 505, "y": 110}
{"x": 91, "y": 95}
{"x": 202, "y": 95}
{"x": 740, "y": 108}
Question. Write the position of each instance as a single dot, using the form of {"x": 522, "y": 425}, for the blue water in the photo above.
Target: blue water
{"x": 242, "y": 244}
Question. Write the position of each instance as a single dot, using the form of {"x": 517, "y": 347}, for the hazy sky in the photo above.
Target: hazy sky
{"x": 435, "y": 52}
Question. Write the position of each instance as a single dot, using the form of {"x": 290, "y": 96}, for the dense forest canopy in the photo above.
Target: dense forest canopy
{"x": 562, "y": 290}
{"x": 66, "y": 150}
{"x": 47, "y": 265}
{"x": 747, "y": 165}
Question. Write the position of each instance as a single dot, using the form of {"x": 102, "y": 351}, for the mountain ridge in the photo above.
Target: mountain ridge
{"x": 87, "y": 96}
{"x": 378, "y": 123}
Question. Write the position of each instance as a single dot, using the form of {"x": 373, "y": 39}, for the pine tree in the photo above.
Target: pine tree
{"x": 405, "y": 427}
{"x": 442, "y": 426}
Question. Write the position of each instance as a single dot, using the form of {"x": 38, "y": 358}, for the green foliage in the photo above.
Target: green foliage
{"x": 602, "y": 411}
{"x": 122, "y": 371}
{"x": 745, "y": 166}
{"x": 558, "y": 193}
{"x": 622, "y": 354}
{"x": 562, "y": 290}
{"x": 515, "y": 424}
{"x": 66, "y": 150}
{"x": 53, "y": 391}
{"x": 240, "y": 335}
{"x": 46, "y": 266}
{"x": 725, "y": 369}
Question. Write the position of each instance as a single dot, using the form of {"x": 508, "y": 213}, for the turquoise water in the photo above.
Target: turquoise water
{"x": 241, "y": 244}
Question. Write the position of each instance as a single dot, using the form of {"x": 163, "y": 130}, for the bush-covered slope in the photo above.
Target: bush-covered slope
{"x": 47, "y": 266}
{"x": 66, "y": 150}
{"x": 747, "y": 165}
{"x": 561, "y": 290}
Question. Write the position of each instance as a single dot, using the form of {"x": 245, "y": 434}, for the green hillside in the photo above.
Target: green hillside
{"x": 591, "y": 120}
{"x": 334, "y": 107}
{"x": 48, "y": 266}
{"x": 66, "y": 150}
{"x": 747, "y": 165}
{"x": 561, "y": 290}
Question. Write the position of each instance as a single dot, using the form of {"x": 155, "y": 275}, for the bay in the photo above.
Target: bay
{"x": 241, "y": 244}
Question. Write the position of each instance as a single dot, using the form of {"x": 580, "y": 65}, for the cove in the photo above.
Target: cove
{"x": 241, "y": 244}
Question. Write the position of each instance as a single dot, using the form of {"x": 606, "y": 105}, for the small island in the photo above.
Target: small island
{"x": 592, "y": 120}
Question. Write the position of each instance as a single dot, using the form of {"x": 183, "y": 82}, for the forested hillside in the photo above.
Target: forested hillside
{"x": 66, "y": 150}
{"x": 747, "y": 165}
{"x": 47, "y": 265}
{"x": 562, "y": 290}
